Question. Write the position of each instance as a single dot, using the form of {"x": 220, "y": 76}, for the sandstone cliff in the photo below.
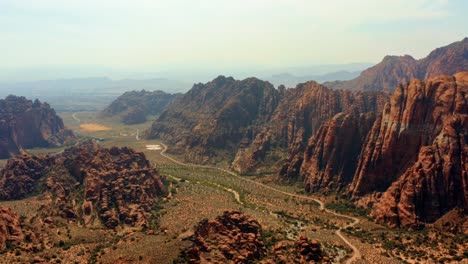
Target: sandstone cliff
{"x": 395, "y": 70}
{"x": 28, "y": 124}
{"x": 214, "y": 117}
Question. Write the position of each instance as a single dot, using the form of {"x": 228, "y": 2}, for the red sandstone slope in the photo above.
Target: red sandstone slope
{"x": 27, "y": 124}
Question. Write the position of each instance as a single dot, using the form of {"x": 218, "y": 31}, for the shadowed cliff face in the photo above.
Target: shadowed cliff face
{"x": 117, "y": 184}
{"x": 395, "y": 70}
{"x": 134, "y": 107}
{"x": 425, "y": 136}
{"x": 28, "y": 124}
{"x": 413, "y": 119}
{"x": 10, "y": 227}
{"x": 214, "y": 117}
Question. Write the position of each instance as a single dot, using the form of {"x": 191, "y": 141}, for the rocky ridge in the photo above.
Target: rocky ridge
{"x": 133, "y": 107}
{"x": 395, "y": 70}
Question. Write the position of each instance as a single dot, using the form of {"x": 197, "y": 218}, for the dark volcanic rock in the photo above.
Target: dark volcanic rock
{"x": 28, "y": 124}
{"x": 394, "y": 70}
{"x": 134, "y": 106}
{"x": 117, "y": 184}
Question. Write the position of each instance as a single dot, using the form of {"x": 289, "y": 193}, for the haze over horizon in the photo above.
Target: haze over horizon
{"x": 135, "y": 39}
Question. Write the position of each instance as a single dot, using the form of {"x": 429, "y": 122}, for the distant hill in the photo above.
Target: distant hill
{"x": 395, "y": 70}
{"x": 133, "y": 107}
{"x": 291, "y": 80}
{"x": 87, "y": 94}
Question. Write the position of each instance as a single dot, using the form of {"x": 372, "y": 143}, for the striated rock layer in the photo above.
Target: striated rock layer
{"x": 116, "y": 184}
{"x": 395, "y": 70}
{"x": 28, "y": 124}
{"x": 254, "y": 123}
{"x": 416, "y": 153}
{"x": 331, "y": 155}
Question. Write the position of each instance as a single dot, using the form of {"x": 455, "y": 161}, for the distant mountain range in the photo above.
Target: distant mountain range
{"x": 395, "y": 70}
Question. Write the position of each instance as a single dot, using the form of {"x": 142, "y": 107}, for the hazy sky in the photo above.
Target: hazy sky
{"x": 137, "y": 35}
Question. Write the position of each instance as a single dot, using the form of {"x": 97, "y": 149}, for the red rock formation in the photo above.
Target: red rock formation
{"x": 435, "y": 184}
{"x": 330, "y": 157}
{"x": 237, "y": 238}
{"x": 10, "y": 228}
{"x": 214, "y": 117}
{"x": 412, "y": 120}
{"x": 27, "y": 124}
{"x": 394, "y": 70}
{"x": 118, "y": 183}
{"x": 311, "y": 111}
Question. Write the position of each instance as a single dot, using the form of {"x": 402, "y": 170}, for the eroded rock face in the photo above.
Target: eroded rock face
{"x": 331, "y": 155}
{"x": 413, "y": 119}
{"x": 435, "y": 184}
{"x": 10, "y": 228}
{"x": 235, "y": 235}
{"x": 312, "y": 110}
{"x": 236, "y": 238}
{"x": 117, "y": 184}
{"x": 134, "y": 106}
{"x": 395, "y": 70}
{"x": 214, "y": 117}
{"x": 28, "y": 124}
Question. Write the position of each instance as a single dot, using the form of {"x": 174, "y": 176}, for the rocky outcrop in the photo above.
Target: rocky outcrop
{"x": 395, "y": 70}
{"x": 413, "y": 119}
{"x": 10, "y": 228}
{"x": 237, "y": 238}
{"x": 435, "y": 184}
{"x": 117, "y": 184}
{"x": 28, "y": 124}
{"x": 331, "y": 155}
{"x": 133, "y": 107}
{"x": 214, "y": 117}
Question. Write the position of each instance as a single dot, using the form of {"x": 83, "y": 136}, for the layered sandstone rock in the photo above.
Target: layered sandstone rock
{"x": 413, "y": 119}
{"x": 214, "y": 117}
{"x": 330, "y": 157}
{"x": 28, "y": 124}
{"x": 10, "y": 228}
{"x": 118, "y": 184}
{"x": 435, "y": 184}
{"x": 134, "y": 106}
{"x": 395, "y": 70}
{"x": 312, "y": 110}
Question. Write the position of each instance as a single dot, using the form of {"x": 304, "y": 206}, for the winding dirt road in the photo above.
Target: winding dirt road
{"x": 356, "y": 253}
{"x": 76, "y": 118}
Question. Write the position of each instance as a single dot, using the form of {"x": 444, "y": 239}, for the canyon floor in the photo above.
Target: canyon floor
{"x": 199, "y": 192}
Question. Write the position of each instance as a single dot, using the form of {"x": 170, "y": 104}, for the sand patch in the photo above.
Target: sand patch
{"x": 91, "y": 127}
{"x": 153, "y": 147}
